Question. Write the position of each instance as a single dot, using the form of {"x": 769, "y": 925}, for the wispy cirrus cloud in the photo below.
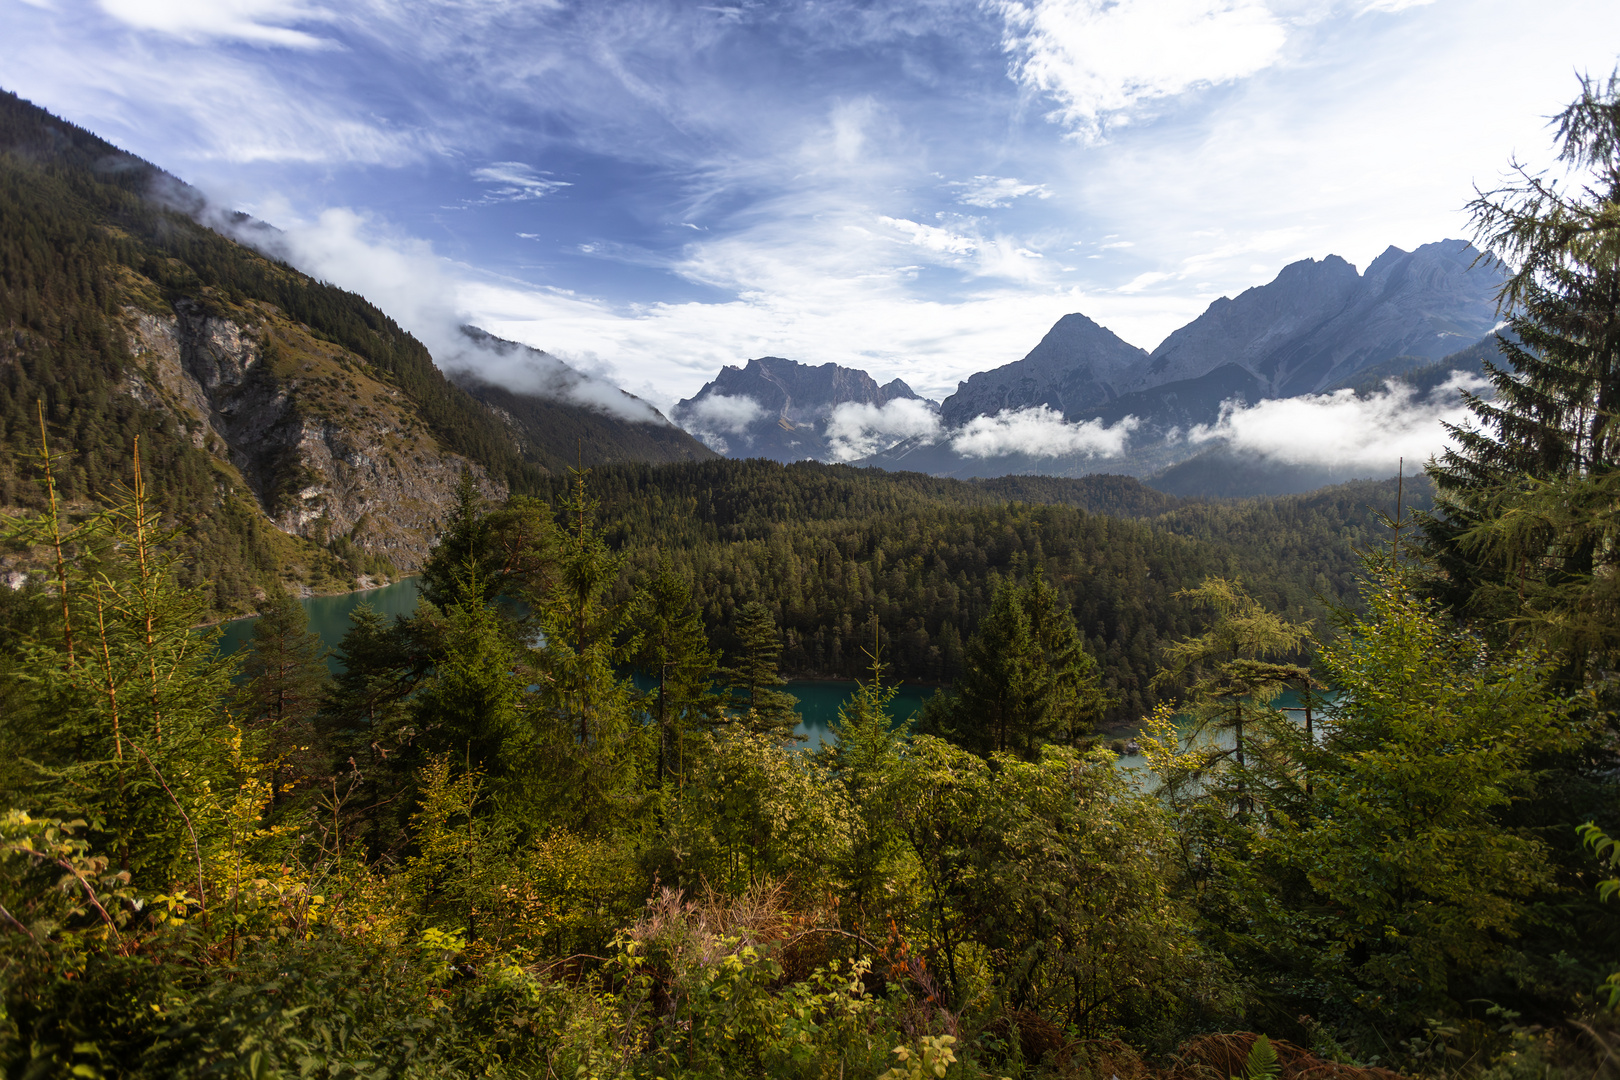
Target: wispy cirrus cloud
{"x": 1101, "y": 60}
{"x": 513, "y": 181}
{"x": 255, "y": 22}
{"x": 996, "y": 191}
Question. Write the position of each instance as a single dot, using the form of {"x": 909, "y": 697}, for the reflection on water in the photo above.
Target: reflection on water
{"x": 819, "y": 700}
{"x": 1289, "y": 701}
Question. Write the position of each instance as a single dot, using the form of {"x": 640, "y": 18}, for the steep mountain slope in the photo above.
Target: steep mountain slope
{"x": 1074, "y": 369}
{"x": 1318, "y": 324}
{"x": 781, "y": 409}
{"x": 290, "y": 427}
{"x": 577, "y": 418}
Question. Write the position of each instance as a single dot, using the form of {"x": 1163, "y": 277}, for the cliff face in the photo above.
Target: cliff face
{"x": 1074, "y": 368}
{"x": 326, "y": 447}
{"x": 780, "y": 409}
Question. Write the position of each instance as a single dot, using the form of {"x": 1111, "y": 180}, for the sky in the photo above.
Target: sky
{"x": 651, "y": 189}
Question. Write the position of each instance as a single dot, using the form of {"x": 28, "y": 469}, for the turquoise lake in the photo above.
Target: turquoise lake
{"x": 819, "y": 699}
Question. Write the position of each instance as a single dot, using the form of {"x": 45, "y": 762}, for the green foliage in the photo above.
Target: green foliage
{"x": 1262, "y": 1063}
{"x": 1432, "y": 737}
{"x": 756, "y": 674}
{"x": 1026, "y": 679}
{"x": 824, "y": 548}
{"x": 284, "y": 679}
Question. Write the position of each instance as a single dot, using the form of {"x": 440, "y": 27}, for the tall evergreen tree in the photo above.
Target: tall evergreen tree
{"x": 511, "y": 547}
{"x": 1553, "y": 416}
{"x": 285, "y": 679}
{"x": 675, "y": 651}
{"x": 865, "y": 759}
{"x": 1026, "y": 680}
{"x": 755, "y": 676}
{"x": 584, "y": 715}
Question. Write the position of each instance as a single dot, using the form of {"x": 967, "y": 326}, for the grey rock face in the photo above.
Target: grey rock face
{"x": 1245, "y": 331}
{"x": 1315, "y": 326}
{"x": 1075, "y": 367}
{"x": 316, "y": 471}
{"x": 795, "y": 402}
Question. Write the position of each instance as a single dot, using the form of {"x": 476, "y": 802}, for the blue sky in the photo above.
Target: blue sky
{"x": 916, "y": 187}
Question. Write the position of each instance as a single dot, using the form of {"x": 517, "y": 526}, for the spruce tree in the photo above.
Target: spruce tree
{"x": 756, "y": 676}
{"x": 584, "y": 728}
{"x": 675, "y": 651}
{"x": 1553, "y": 416}
{"x": 285, "y": 680}
{"x": 1026, "y": 679}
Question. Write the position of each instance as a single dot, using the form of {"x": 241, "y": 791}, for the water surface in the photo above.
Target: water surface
{"x": 819, "y": 699}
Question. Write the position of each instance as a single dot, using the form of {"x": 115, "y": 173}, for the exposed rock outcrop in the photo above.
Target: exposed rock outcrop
{"x": 326, "y": 448}
{"x": 780, "y": 409}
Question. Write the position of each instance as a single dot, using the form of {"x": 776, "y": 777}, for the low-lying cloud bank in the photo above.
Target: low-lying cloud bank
{"x": 857, "y": 430}
{"x": 524, "y": 370}
{"x": 1345, "y": 431}
{"x": 1040, "y": 432}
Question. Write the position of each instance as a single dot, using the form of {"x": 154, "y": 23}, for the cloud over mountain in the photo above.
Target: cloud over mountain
{"x": 1040, "y": 433}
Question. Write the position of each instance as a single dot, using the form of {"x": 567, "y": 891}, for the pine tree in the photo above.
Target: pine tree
{"x": 756, "y": 675}
{"x": 285, "y": 679}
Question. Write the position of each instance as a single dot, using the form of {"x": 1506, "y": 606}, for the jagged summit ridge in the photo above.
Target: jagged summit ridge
{"x": 1317, "y": 324}
{"x": 781, "y": 409}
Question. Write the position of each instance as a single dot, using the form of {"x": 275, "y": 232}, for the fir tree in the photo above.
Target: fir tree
{"x": 675, "y": 650}
{"x": 1026, "y": 678}
{"x": 756, "y": 675}
{"x": 1553, "y": 417}
{"x": 285, "y": 679}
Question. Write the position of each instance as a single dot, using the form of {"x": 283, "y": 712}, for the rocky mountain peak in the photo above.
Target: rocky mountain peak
{"x": 779, "y": 408}
{"x": 1072, "y": 367}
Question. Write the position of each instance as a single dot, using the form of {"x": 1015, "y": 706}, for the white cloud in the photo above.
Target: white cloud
{"x": 404, "y": 278}
{"x": 1102, "y": 59}
{"x": 996, "y": 191}
{"x": 529, "y": 371}
{"x": 932, "y": 238}
{"x": 516, "y": 182}
{"x": 1040, "y": 432}
{"x": 857, "y": 430}
{"x": 257, "y": 22}
{"x": 1341, "y": 429}
{"x": 721, "y": 414}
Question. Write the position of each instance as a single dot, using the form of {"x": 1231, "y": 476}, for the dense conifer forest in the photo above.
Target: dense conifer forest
{"x": 481, "y": 850}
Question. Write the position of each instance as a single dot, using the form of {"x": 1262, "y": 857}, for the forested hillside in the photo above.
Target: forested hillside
{"x": 824, "y": 547}
{"x": 296, "y": 431}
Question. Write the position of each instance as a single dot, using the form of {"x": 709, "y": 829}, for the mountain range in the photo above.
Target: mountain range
{"x": 783, "y": 410}
{"x": 1318, "y": 327}
{"x": 299, "y": 432}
